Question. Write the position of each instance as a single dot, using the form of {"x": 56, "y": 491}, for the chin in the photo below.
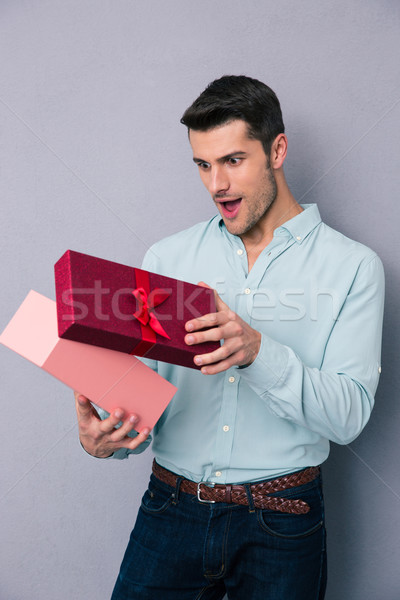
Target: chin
{"x": 234, "y": 229}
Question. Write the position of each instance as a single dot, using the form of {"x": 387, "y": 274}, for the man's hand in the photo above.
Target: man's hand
{"x": 241, "y": 342}
{"x": 101, "y": 438}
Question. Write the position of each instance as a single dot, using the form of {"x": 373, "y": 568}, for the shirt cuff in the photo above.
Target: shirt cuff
{"x": 122, "y": 453}
{"x": 93, "y": 456}
{"x": 269, "y": 366}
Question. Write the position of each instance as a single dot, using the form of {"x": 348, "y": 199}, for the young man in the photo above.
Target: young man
{"x": 235, "y": 503}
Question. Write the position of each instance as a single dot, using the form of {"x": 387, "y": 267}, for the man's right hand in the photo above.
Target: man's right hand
{"x": 100, "y": 438}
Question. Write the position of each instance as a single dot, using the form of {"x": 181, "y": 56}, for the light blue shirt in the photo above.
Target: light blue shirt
{"x": 317, "y": 298}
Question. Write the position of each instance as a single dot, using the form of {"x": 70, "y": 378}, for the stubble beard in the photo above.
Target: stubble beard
{"x": 261, "y": 204}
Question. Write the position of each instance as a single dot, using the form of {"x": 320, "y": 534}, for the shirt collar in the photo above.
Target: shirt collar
{"x": 302, "y": 224}
{"x": 298, "y": 227}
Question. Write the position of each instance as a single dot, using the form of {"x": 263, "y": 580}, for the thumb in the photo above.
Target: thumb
{"x": 219, "y": 303}
{"x": 83, "y": 407}
{"x": 202, "y": 284}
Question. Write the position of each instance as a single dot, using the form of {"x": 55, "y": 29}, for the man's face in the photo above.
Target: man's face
{"x": 236, "y": 172}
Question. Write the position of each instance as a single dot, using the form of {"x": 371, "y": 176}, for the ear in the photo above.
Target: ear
{"x": 278, "y": 151}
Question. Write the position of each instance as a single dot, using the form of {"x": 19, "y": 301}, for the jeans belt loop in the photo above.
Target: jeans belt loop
{"x": 250, "y": 498}
{"x": 177, "y": 489}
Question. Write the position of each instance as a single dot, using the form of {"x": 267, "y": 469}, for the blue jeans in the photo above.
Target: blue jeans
{"x": 182, "y": 549}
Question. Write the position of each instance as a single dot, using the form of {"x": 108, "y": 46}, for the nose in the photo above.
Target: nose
{"x": 219, "y": 181}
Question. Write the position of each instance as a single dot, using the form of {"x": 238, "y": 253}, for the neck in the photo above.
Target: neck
{"x": 281, "y": 210}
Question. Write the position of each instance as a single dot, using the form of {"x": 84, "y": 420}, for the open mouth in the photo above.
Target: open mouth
{"x": 230, "y": 208}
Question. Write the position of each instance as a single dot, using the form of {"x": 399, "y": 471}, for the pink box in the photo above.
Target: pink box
{"x": 106, "y": 304}
{"x": 108, "y": 378}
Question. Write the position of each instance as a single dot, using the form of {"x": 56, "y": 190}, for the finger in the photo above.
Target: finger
{"x": 227, "y": 327}
{"x": 108, "y": 425}
{"x": 203, "y": 284}
{"x": 219, "y": 367}
{"x": 209, "y": 321}
{"x": 219, "y": 303}
{"x": 223, "y": 365}
{"x": 132, "y": 443}
{"x": 211, "y": 335}
{"x": 81, "y": 399}
{"x": 83, "y": 407}
{"x": 222, "y": 353}
{"x": 127, "y": 426}
{"x": 141, "y": 437}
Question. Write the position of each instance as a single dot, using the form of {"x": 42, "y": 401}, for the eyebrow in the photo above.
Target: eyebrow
{"x": 223, "y": 158}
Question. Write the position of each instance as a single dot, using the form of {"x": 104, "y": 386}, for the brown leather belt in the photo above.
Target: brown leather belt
{"x": 236, "y": 494}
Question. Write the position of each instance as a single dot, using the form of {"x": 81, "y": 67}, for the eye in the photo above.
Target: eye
{"x": 203, "y": 165}
{"x": 233, "y": 161}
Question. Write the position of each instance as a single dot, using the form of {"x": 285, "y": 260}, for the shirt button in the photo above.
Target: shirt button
{"x": 379, "y": 369}
{"x": 218, "y": 473}
{"x": 226, "y": 428}
{"x": 231, "y": 379}
{"x": 240, "y": 251}
{"x": 247, "y": 291}
{"x": 269, "y": 253}
{"x": 298, "y": 238}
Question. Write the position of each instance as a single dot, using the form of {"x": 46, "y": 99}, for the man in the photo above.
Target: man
{"x": 235, "y": 503}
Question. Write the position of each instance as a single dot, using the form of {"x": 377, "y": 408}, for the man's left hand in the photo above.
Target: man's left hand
{"x": 241, "y": 342}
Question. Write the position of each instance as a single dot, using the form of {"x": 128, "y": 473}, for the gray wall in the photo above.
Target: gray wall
{"x": 93, "y": 158}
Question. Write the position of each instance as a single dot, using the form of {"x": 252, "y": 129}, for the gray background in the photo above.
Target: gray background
{"x": 93, "y": 158}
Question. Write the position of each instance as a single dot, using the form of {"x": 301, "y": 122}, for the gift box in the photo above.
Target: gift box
{"x": 108, "y": 378}
{"x": 133, "y": 311}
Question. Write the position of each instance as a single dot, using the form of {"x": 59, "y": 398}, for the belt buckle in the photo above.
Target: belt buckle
{"x": 208, "y": 484}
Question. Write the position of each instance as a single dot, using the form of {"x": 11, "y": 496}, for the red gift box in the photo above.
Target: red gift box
{"x": 114, "y": 306}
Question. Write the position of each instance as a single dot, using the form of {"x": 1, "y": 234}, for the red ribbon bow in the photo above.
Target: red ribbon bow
{"x": 147, "y": 302}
